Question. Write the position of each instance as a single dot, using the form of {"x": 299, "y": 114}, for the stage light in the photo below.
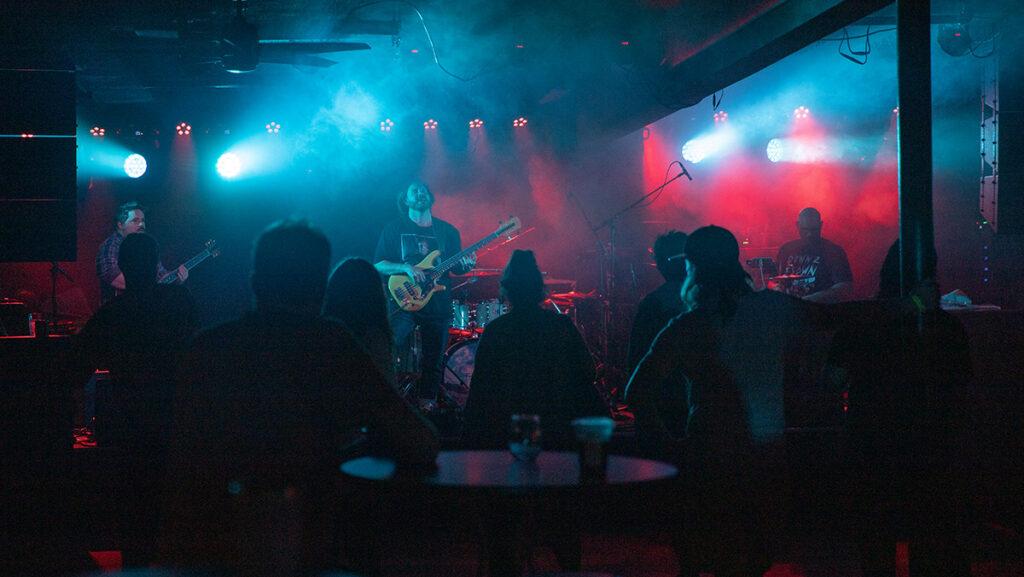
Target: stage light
{"x": 896, "y": 111}
{"x": 229, "y": 165}
{"x": 183, "y": 129}
{"x": 801, "y": 112}
{"x": 272, "y": 128}
{"x": 135, "y": 165}
{"x": 712, "y": 143}
{"x": 774, "y": 150}
{"x": 27, "y": 135}
{"x": 386, "y": 125}
{"x": 476, "y": 123}
{"x": 721, "y": 116}
{"x": 519, "y": 122}
{"x": 430, "y": 124}
{"x": 694, "y": 151}
{"x": 98, "y": 131}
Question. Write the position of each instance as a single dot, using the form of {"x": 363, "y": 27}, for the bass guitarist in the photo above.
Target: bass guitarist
{"x": 404, "y": 243}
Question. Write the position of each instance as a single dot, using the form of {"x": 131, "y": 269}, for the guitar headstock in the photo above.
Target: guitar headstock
{"x": 509, "y": 226}
{"x": 212, "y": 248}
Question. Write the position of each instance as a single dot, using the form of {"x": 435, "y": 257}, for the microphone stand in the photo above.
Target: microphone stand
{"x": 612, "y": 224}
{"x": 612, "y": 221}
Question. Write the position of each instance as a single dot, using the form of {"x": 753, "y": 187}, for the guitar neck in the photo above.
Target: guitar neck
{"x": 445, "y": 265}
{"x": 189, "y": 265}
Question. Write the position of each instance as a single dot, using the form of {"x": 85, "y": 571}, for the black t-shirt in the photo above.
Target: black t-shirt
{"x": 824, "y": 262}
{"x": 405, "y": 241}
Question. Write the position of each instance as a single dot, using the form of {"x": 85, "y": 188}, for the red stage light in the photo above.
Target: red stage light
{"x": 896, "y": 111}
{"x": 476, "y": 123}
{"x": 183, "y": 129}
{"x": 386, "y": 125}
{"x": 801, "y": 112}
{"x": 414, "y": 51}
{"x": 624, "y": 43}
{"x": 518, "y": 123}
{"x": 721, "y": 116}
{"x": 430, "y": 124}
{"x": 272, "y": 128}
{"x": 27, "y": 135}
{"x": 98, "y": 131}
{"x": 520, "y": 45}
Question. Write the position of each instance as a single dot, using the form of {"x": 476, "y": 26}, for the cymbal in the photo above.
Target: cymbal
{"x": 790, "y": 277}
{"x": 573, "y": 295}
{"x": 479, "y": 272}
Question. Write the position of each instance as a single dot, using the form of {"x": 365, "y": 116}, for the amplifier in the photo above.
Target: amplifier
{"x": 15, "y": 320}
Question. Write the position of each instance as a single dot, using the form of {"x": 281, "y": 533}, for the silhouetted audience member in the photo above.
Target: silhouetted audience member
{"x": 903, "y": 375}
{"x": 653, "y": 313}
{"x": 732, "y": 346}
{"x": 530, "y": 360}
{"x": 265, "y": 408}
{"x": 139, "y": 336}
{"x": 355, "y": 297}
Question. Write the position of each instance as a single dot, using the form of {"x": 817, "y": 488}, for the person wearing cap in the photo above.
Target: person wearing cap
{"x": 731, "y": 345}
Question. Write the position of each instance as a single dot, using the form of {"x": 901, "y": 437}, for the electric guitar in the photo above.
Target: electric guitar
{"x": 211, "y": 251}
{"x": 412, "y": 296}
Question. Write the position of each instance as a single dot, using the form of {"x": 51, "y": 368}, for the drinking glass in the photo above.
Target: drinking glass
{"x": 524, "y": 437}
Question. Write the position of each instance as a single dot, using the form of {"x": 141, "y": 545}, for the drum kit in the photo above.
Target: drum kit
{"x": 470, "y": 318}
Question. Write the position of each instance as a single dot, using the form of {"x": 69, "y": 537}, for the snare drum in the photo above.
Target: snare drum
{"x": 488, "y": 310}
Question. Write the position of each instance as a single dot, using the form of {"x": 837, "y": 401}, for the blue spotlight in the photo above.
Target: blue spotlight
{"x": 774, "y": 150}
{"x": 135, "y": 165}
{"x": 718, "y": 142}
{"x": 695, "y": 150}
{"x": 229, "y": 165}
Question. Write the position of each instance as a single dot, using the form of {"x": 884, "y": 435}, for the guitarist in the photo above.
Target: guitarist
{"x": 131, "y": 218}
{"x": 404, "y": 243}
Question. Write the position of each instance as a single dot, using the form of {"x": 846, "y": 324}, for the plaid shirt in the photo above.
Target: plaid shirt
{"x": 107, "y": 269}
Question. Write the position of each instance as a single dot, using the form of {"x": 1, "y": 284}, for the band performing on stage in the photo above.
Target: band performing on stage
{"x": 506, "y": 288}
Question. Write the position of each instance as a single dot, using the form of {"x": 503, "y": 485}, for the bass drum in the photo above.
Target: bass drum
{"x": 458, "y": 371}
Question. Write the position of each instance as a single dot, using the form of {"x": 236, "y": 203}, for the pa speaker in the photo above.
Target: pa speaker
{"x": 37, "y": 165}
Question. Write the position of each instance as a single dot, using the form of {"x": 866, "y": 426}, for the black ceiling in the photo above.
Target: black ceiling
{"x": 624, "y": 62}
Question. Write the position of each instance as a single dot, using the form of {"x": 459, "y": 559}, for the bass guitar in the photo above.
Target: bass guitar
{"x": 412, "y": 296}
{"x": 211, "y": 251}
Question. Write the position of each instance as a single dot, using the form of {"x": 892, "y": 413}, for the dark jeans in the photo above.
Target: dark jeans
{"x": 433, "y": 338}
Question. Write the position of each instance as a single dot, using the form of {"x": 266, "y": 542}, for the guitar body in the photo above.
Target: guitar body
{"x": 410, "y": 296}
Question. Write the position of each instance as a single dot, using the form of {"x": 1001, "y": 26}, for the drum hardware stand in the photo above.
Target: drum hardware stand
{"x": 55, "y": 270}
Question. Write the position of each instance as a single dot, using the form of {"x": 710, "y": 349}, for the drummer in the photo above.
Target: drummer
{"x": 812, "y": 267}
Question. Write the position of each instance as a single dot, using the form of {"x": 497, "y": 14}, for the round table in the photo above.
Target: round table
{"x": 512, "y": 490}
{"x": 499, "y": 470}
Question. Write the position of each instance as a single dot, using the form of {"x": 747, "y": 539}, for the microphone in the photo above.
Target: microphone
{"x": 685, "y": 172}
